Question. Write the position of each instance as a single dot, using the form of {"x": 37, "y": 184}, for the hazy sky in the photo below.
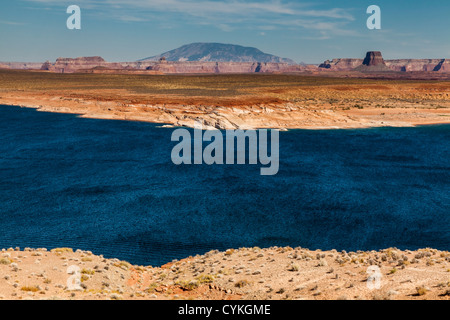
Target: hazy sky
{"x": 308, "y": 31}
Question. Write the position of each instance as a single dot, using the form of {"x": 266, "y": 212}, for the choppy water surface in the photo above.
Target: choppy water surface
{"x": 110, "y": 187}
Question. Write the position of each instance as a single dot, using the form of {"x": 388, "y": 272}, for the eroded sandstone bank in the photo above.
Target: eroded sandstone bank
{"x": 233, "y": 101}
{"x": 280, "y": 115}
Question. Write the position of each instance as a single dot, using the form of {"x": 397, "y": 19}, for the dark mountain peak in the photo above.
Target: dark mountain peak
{"x": 218, "y": 52}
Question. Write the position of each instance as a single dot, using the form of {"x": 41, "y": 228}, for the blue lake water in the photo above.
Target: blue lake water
{"x": 110, "y": 187}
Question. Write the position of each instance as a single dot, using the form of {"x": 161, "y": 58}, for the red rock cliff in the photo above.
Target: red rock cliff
{"x": 374, "y": 62}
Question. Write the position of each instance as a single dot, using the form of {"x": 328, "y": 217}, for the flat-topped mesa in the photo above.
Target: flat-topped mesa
{"x": 20, "y": 65}
{"x": 374, "y": 58}
{"x": 373, "y": 62}
{"x": 99, "y": 65}
{"x": 201, "y": 67}
{"x": 95, "y": 59}
{"x": 343, "y": 64}
{"x": 67, "y": 65}
{"x": 420, "y": 65}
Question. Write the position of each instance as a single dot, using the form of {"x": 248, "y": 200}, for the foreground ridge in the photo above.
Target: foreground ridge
{"x": 274, "y": 273}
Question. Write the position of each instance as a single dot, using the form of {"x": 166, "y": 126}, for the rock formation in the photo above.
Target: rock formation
{"x": 99, "y": 65}
{"x": 374, "y": 62}
{"x": 21, "y": 65}
{"x": 170, "y": 67}
{"x": 373, "y": 58}
{"x": 341, "y": 64}
{"x": 424, "y": 65}
{"x": 69, "y": 65}
{"x": 218, "y": 52}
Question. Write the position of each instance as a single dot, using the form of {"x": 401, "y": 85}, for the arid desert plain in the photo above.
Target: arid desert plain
{"x": 234, "y": 101}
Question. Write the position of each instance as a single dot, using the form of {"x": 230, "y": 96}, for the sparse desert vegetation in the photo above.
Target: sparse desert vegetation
{"x": 247, "y": 273}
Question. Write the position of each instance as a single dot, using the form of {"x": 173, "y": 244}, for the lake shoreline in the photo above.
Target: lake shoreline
{"x": 233, "y": 101}
{"x": 95, "y": 160}
{"x": 168, "y": 121}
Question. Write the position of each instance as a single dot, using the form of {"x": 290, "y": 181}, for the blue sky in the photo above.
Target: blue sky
{"x": 305, "y": 31}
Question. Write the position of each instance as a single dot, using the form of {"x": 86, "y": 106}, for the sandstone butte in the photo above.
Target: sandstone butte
{"x": 374, "y": 59}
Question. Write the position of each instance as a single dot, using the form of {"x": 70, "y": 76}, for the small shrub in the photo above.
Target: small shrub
{"x": 188, "y": 285}
{"x": 205, "y": 279}
{"x": 403, "y": 263}
{"x": 30, "y": 289}
{"x": 241, "y": 283}
{"x": 162, "y": 276}
{"x": 294, "y": 267}
{"x": 124, "y": 265}
{"x": 152, "y": 287}
{"x": 88, "y": 271}
{"x": 421, "y": 291}
{"x": 229, "y": 252}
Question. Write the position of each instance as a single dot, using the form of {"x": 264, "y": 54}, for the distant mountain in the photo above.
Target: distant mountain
{"x": 218, "y": 52}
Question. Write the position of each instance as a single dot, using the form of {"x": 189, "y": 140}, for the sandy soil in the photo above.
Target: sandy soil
{"x": 247, "y": 273}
